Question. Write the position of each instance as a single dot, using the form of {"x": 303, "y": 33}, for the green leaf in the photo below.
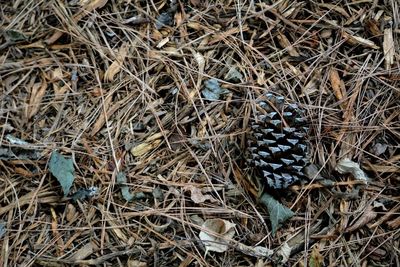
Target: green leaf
{"x": 15, "y": 36}
{"x": 278, "y": 213}
{"x": 63, "y": 169}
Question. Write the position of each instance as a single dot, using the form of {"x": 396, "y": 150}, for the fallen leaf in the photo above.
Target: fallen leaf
{"x": 348, "y": 166}
{"x": 337, "y": 84}
{"x": 311, "y": 87}
{"x": 63, "y": 169}
{"x": 91, "y": 5}
{"x": 285, "y": 43}
{"x": 14, "y": 35}
{"x": 37, "y": 92}
{"x": 55, "y": 75}
{"x": 197, "y": 196}
{"x": 126, "y": 194}
{"x": 163, "y": 42}
{"x": 145, "y": 147}
{"x": 216, "y": 234}
{"x": 368, "y": 215}
{"x": 234, "y": 75}
{"x": 284, "y": 253}
{"x": 116, "y": 66}
{"x": 83, "y": 252}
{"x": 71, "y": 213}
{"x": 316, "y": 259}
{"x": 371, "y": 25}
{"x": 200, "y": 61}
{"x": 196, "y": 219}
{"x": 278, "y": 213}
{"x": 356, "y": 40}
{"x": 257, "y": 251}
{"x": 388, "y": 48}
{"x": 212, "y": 90}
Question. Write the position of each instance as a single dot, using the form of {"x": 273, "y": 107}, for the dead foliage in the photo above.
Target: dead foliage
{"x": 118, "y": 87}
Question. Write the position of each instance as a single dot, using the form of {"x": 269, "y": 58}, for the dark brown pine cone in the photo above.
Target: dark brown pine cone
{"x": 277, "y": 148}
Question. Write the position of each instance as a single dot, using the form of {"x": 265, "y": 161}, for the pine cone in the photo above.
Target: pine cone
{"x": 277, "y": 148}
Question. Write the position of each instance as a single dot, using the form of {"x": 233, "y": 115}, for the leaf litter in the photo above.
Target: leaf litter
{"x": 164, "y": 91}
{"x": 63, "y": 169}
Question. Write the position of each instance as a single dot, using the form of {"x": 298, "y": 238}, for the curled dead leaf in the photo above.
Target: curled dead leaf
{"x": 348, "y": 166}
{"x": 116, "y": 66}
{"x": 216, "y": 234}
{"x": 197, "y": 195}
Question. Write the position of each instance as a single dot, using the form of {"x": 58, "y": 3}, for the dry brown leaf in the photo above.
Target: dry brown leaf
{"x": 37, "y": 92}
{"x": 368, "y": 215}
{"x": 91, "y": 5}
{"x": 195, "y": 25}
{"x": 386, "y": 216}
{"x": 145, "y": 147}
{"x": 83, "y": 252}
{"x": 102, "y": 118}
{"x": 394, "y": 224}
{"x": 70, "y": 213}
{"x": 337, "y": 84}
{"x": 372, "y": 26}
{"x": 388, "y": 48}
{"x": 116, "y": 66}
{"x": 357, "y": 40}
{"x": 55, "y": 75}
{"x": 285, "y": 43}
{"x": 197, "y": 196}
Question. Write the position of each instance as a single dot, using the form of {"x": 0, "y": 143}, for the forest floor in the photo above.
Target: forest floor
{"x": 123, "y": 128}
